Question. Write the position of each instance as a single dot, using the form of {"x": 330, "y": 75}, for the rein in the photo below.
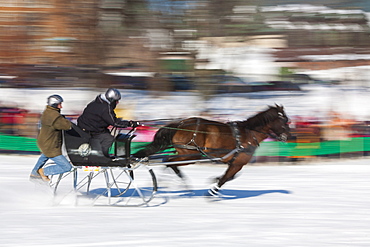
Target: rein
{"x": 184, "y": 124}
{"x": 207, "y": 132}
{"x": 268, "y": 134}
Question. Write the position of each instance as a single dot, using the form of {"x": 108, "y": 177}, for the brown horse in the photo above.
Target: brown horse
{"x": 232, "y": 143}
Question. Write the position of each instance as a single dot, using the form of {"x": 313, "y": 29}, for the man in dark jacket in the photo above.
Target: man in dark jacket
{"x": 99, "y": 115}
{"x": 49, "y": 141}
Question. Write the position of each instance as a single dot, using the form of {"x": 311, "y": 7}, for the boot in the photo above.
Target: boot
{"x": 43, "y": 176}
{"x": 37, "y": 176}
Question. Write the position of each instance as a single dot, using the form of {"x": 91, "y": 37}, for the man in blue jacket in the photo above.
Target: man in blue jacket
{"x": 99, "y": 115}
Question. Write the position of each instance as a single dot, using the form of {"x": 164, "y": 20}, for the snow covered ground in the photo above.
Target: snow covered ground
{"x": 321, "y": 203}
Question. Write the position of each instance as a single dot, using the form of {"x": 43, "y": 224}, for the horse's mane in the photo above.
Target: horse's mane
{"x": 262, "y": 118}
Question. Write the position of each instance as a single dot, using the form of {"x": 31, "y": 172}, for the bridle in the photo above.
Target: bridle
{"x": 284, "y": 119}
{"x": 282, "y": 137}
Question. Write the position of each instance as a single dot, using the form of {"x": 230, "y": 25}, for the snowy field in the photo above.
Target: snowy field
{"x": 321, "y": 203}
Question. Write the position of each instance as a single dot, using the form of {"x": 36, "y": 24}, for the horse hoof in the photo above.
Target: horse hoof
{"x": 217, "y": 195}
{"x": 212, "y": 193}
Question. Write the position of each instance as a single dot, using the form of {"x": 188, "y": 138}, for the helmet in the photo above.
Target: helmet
{"x": 112, "y": 95}
{"x": 54, "y": 100}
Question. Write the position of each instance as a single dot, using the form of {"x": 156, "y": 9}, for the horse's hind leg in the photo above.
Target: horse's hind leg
{"x": 180, "y": 174}
{"x": 177, "y": 171}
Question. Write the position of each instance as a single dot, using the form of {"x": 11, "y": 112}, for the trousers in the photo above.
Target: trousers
{"x": 106, "y": 141}
{"x": 61, "y": 165}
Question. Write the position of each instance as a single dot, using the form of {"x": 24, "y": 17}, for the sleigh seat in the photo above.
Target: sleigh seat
{"x": 83, "y": 150}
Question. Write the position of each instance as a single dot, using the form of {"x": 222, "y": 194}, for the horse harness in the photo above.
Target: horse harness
{"x": 239, "y": 148}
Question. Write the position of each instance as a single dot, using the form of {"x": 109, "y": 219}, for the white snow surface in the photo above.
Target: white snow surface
{"x": 320, "y": 203}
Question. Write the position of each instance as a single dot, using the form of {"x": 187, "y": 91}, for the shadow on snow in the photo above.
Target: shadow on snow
{"x": 227, "y": 194}
{"x": 164, "y": 195}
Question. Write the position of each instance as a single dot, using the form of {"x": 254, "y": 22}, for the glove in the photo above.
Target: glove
{"x": 134, "y": 124}
{"x": 122, "y": 123}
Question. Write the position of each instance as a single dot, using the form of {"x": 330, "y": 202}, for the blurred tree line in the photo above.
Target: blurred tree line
{"x": 136, "y": 34}
{"x": 137, "y": 30}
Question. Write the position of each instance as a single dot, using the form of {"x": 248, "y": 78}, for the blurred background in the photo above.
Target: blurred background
{"x": 223, "y": 60}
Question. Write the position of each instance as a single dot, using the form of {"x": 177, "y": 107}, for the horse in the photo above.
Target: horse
{"x": 232, "y": 143}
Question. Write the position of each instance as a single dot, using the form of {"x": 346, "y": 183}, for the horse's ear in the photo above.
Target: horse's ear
{"x": 280, "y": 107}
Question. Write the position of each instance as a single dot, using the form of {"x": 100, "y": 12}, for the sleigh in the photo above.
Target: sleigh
{"x": 98, "y": 180}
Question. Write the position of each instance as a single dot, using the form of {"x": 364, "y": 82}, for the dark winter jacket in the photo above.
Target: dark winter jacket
{"x": 98, "y": 116}
{"x": 50, "y": 137}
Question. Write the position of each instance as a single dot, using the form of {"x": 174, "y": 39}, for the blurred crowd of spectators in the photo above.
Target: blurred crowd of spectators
{"x": 20, "y": 122}
{"x": 334, "y": 127}
{"x": 16, "y": 121}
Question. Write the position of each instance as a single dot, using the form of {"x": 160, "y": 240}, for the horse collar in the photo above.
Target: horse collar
{"x": 255, "y": 139}
{"x": 236, "y": 134}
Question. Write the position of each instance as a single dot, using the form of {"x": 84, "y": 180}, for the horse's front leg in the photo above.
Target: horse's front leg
{"x": 228, "y": 175}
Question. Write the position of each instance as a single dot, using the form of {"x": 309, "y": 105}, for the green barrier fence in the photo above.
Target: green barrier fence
{"x": 15, "y": 144}
{"x": 352, "y": 145}
{"x": 9, "y": 143}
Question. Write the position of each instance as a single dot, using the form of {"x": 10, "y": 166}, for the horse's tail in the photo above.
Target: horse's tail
{"x": 162, "y": 140}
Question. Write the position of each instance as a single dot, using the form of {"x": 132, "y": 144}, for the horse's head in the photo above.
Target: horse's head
{"x": 279, "y": 126}
{"x": 272, "y": 122}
